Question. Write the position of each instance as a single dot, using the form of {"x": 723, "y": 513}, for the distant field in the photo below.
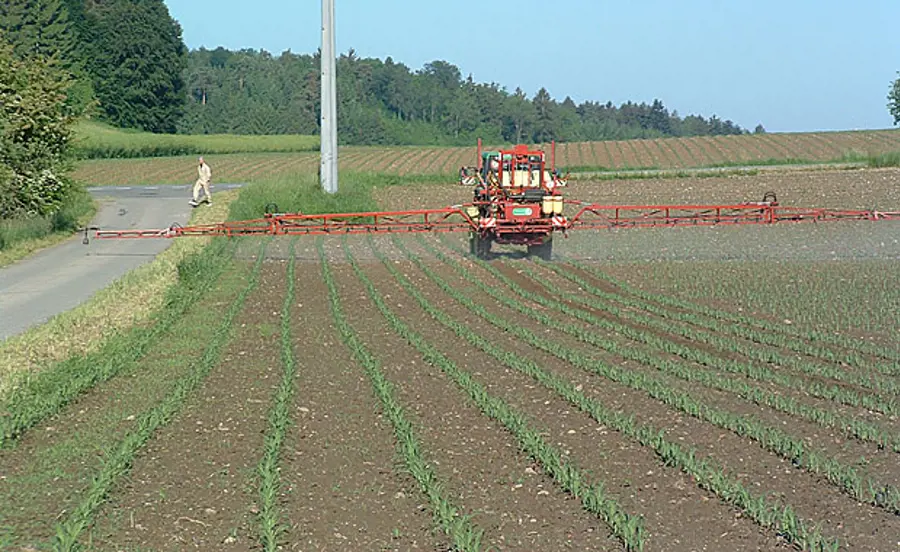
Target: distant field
{"x": 667, "y": 153}
{"x": 98, "y": 141}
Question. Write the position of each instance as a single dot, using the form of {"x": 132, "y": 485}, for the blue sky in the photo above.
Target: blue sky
{"x": 792, "y": 65}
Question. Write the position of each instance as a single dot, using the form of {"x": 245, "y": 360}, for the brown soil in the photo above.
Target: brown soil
{"x": 847, "y": 189}
{"x": 678, "y": 515}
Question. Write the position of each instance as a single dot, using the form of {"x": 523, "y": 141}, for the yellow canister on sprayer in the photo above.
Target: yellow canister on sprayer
{"x": 547, "y": 205}
{"x": 557, "y": 205}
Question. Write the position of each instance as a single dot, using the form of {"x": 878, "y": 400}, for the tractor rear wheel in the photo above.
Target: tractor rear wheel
{"x": 543, "y": 251}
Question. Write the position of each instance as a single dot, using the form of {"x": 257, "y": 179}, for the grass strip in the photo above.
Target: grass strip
{"x": 844, "y": 477}
{"x": 466, "y": 536}
{"x": 119, "y": 460}
{"x": 271, "y": 528}
{"x": 628, "y": 528}
{"x": 705, "y": 471}
{"x": 792, "y": 331}
{"x": 48, "y": 391}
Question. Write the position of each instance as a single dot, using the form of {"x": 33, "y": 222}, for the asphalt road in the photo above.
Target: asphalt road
{"x": 60, "y": 278}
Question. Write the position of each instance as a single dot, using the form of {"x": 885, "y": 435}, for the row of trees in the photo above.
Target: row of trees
{"x": 385, "y": 102}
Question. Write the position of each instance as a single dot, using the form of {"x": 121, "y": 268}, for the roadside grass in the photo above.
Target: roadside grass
{"x": 302, "y": 192}
{"x": 87, "y": 327}
{"x": 22, "y": 237}
{"x": 94, "y": 140}
{"x": 44, "y": 393}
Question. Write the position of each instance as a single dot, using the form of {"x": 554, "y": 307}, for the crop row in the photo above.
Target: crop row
{"x": 627, "y": 527}
{"x": 850, "y": 358}
{"x": 853, "y": 427}
{"x": 707, "y": 473}
{"x": 845, "y": 477}
{"x": 465, "y": 535}
{"x": 119, "y": 459}
{"x": 751, "y": 333}
{"x": 814, "y": 336}
{"x": 271, "y": 528}
{"x": 763, "y": 373}
{"x": 643, "y": 154}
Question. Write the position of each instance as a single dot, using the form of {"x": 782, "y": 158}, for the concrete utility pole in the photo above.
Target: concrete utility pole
{"x": 328, "y": 170}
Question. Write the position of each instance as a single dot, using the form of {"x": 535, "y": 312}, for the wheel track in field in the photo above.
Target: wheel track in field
{"x": 69, "y": 531}
{"x": 816, "y": 461}
{"x": 832, "y": 497}
{"x": 709, "y": 475}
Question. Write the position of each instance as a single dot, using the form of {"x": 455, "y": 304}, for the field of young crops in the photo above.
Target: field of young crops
{"x": 394, "y": 394}
{"x": 671, "y": 390}
{"x": 668, "y": 153}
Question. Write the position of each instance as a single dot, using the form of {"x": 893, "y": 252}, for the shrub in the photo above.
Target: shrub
{"x": 35, "y": 129}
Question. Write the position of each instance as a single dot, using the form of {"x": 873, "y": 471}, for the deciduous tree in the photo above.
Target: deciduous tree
{"x": 894, "y": 100}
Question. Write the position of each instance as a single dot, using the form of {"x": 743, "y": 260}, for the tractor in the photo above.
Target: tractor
{"x": 517, "y": 199}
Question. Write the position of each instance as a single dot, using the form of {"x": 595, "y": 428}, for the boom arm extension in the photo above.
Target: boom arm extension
{"x": 457, "y": 219}
{"x": 449, "y": 219}
{"x": 763, "y": 212}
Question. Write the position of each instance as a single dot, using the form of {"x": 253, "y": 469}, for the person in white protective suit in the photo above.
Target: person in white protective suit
{"x": 203, "y": 181}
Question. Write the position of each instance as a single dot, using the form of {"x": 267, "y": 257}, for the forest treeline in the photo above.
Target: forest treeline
{"x": 130, "y": 67}
{"x": 386, "y": 102}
